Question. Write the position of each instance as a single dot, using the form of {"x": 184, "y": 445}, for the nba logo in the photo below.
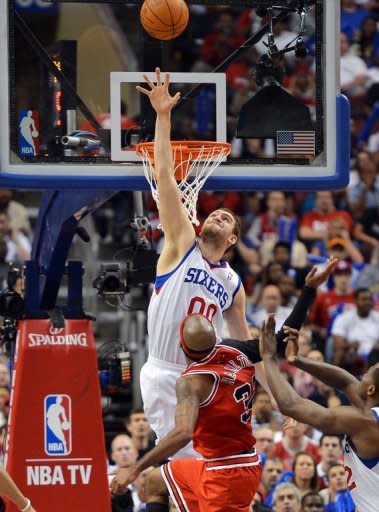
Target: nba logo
{"x": 28, "y": 134}
{"x": 58, "y": 424}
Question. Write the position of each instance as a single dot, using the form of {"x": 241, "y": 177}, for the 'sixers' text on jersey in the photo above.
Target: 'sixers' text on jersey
{"x": 195, "y": 285}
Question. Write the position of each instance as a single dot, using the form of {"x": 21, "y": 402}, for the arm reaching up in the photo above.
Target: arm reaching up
{"x": 312, "y": 280}
{"x": 341, "y": 420}
{"x": 179, "y": 233}
{"x": 331, "y": 375}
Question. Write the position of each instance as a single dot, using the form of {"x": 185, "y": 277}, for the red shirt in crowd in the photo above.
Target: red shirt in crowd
{"x": 216, "y": 47}
{"x": 325, "y": 305}
{"x": 210, "y": 201}
{"x": 319, "y": 222}
{"x": 287, "y": 456}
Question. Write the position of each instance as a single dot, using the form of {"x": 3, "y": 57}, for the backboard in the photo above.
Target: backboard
{"x": 264, "y": 79}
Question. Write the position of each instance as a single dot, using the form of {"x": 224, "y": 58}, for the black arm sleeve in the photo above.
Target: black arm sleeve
{"x": 249, "y": 348}
{"x": 299, "y": 312}
{"x": 295, "y": 320}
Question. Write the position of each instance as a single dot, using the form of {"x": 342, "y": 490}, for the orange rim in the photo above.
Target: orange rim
{"x": 185, "y": 152}
{"x": 194, "y": 148}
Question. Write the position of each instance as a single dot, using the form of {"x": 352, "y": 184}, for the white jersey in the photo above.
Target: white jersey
{"x": 194, "y": 286}
{"x": 363, "y": 476}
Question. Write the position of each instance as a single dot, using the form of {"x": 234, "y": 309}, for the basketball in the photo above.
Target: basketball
{"x": 164, "y": 19}
{"x": 65, "y": 425}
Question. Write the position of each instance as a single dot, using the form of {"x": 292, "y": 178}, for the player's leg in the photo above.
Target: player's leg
{"x": 182, "y": 479}
{"x": 157, "y": 405}
{"x": 228, "y": 490}
{"x": 156, "y": 492}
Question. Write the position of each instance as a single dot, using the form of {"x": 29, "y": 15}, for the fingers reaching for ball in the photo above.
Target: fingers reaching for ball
{"x": 159, "y": 94}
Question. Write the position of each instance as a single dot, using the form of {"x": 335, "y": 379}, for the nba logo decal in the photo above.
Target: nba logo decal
{"x": 28, "y": 133}
{"x": 58, "y": 425}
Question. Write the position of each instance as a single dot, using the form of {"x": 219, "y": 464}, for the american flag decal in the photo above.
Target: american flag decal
{"x": 295, "y": 143}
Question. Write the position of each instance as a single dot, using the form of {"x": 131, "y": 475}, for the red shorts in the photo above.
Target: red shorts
{"x": 214, "y": 485}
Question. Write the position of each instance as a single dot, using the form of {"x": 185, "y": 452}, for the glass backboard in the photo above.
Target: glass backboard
{"x": 259, "y": 74}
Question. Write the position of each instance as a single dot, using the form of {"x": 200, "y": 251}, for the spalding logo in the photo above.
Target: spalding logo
{"x": 55, "y": 338}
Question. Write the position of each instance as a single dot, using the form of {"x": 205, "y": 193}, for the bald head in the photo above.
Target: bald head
{"x": 198, "y": 336}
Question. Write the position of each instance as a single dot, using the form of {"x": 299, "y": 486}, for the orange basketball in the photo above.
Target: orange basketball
{"x": 164, "y": 19}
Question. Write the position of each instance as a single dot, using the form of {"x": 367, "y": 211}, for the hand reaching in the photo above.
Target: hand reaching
{"x": 317, "y": 277}
{"x": 288, "y": 423}
{"x": 267, "y": 340}
{"x": 159, "y": 95}
{"x": 122, "y": 479}
{"x": 292, "y": 343}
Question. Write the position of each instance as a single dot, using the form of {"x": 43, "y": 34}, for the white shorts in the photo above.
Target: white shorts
{"x": 157, "y": 380}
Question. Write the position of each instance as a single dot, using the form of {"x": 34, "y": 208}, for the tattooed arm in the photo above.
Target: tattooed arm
{"x": 190, "y": 392}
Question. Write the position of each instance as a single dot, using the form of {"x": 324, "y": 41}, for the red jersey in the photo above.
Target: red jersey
{"x": 223, "y": 426}
{"x": 325, "y": 305}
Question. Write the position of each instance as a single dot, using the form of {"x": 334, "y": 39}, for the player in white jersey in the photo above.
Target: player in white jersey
{"x": 191, "y": 277}
{"x": 359, "y": 421}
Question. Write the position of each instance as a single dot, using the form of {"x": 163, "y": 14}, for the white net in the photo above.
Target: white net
{"x": 201, "y": 164}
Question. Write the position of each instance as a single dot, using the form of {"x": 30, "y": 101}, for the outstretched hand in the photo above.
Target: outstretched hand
{"x": 292, "y": 343}
{"x": 159, "y": 95}
{"x": 123, "y": 478}
{"x": 267, "y": 339}
{"x": 317, "y": 276}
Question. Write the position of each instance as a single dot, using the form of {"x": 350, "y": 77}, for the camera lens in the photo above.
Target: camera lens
{"x": 111, "y": 284}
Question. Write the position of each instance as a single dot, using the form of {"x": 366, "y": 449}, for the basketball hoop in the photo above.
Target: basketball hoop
{"x": 194, "y": 162}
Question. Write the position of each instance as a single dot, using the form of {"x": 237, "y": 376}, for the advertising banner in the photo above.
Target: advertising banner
{"x": 56, "y": 450}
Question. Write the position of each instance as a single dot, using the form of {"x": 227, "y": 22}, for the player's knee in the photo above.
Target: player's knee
{"x": 155, "y": 487}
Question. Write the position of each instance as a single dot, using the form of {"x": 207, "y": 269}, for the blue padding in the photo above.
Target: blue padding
{"x": 59, "y": 215}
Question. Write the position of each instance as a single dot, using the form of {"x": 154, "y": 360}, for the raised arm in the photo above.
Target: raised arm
{"x": 312, "y": 280}
{"x": 190, "y": 391}
{"x": 179, "y": 233}
{"x": 342, "y": 420}
{"x": 331, "y": 375}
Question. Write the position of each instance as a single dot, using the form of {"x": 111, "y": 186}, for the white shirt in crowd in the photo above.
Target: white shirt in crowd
{"x": 352, "y": 66}
{"x": 355, "y": 328}
{"x": 281, "y": 315}
{"x": 12, "y": 250}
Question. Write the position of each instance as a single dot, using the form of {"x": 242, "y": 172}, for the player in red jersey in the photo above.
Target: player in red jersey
{"x": 214, "y": 396}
